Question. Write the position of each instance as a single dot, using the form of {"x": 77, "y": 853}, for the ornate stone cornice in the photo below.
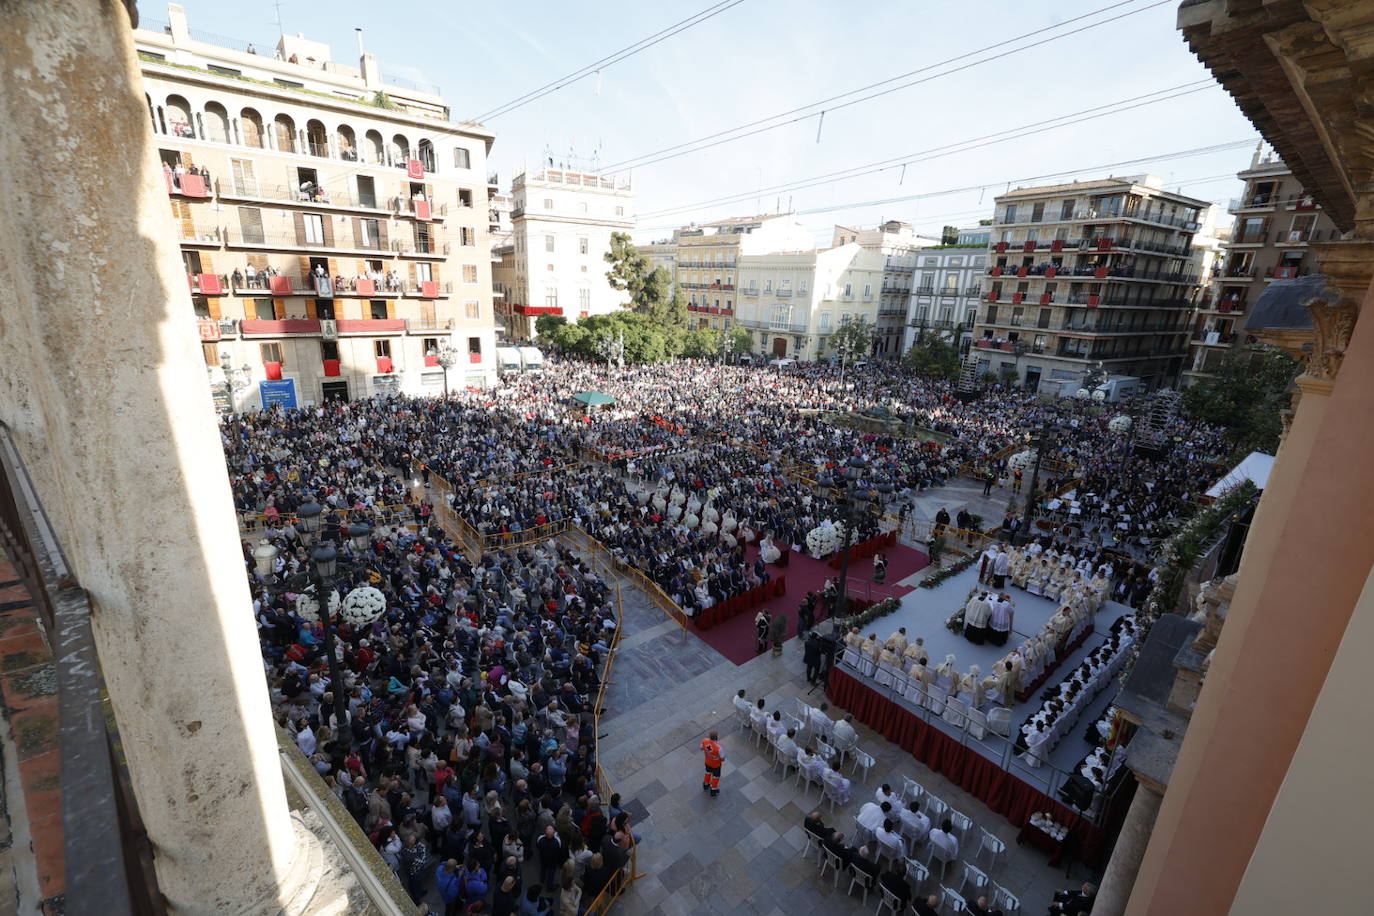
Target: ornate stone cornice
{"x": 1333, "y": 321}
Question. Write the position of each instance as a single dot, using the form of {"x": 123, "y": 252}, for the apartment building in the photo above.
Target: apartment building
{"x": 1276, "y": 222}
{"x": 949, "y": 285}
{"x": 708, "y": 258}
{"x": 794, "y": 300}
{"x": 561, "y": 225}
{"x": 897, "y": 242}
{"x": 333, "y": 223}
{"x": 1088, "y": 272}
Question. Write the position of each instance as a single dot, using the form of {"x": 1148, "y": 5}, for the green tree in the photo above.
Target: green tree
{"x": 652, "y": 292}
{"x": 1245, "y": 394}
{"x": 546, "y": 325}
{"x": 933, "y": 358}
{"x": 852, "y": 340}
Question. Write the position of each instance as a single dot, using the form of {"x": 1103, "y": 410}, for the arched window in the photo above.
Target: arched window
{"x": 216, "y": 123}
{"x": 179, "y": 117}
{"x": 374, "y": 149}
{"x": 250, "y": 124}
{"x": 285, "y": 133}
{"x": 317, "y": 138}
{"x": 426, "y": 155}
{"x": 400, "y": 151}
{"x": 348, "y": 143}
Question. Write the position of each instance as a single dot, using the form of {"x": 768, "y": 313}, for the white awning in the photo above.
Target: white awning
{"x": 1254, "y": 467}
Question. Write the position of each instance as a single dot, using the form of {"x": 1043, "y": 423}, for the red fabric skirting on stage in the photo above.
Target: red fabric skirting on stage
{"x": 745, "y": 601}
{"x": 963, "y": 766}
{"x": 865, "y": 549}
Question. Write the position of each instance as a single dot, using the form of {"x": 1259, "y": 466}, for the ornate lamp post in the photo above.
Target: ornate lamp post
{"x": 324, "y": 561}
{"x": 1043, "y": 437}
{"x": 855, "y": 501}
{"x": 612, "y": 349}
{"x": 235, "y": 380}
{"x": 447, "y": 357}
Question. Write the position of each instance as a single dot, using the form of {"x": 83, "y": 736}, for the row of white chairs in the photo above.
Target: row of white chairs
{"x": 955, "y": 710}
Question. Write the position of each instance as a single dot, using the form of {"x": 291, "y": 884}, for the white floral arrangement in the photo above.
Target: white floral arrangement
{"x": 363, "y": 605}
{"x": 1021, "y": 461}
{"x": 1119, "y": 423}
{"x": 308, "y": 608}
{"x": 823, "y": 540}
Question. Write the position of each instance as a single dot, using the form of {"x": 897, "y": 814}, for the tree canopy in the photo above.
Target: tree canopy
{"x": 652, "y": 292}
{"x": 933, "y": 358}
{"x": 1245, "y": 394}
{"x": 853, "y": 339}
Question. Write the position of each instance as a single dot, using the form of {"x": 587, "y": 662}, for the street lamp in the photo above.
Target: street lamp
{"x": 612, "y": 348}
{"x": 854, "y": 501}
{"x": 324, "y": 561}
{"x": 1042, "y": 439}
{"x": 235, "y": 380}
{"x": 727, "y": 346}
{"x": 447, "y": 357}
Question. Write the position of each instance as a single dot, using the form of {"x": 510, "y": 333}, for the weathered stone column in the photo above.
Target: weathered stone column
{"x": 103, "y": 382}
{"x": 1119, "y": 877}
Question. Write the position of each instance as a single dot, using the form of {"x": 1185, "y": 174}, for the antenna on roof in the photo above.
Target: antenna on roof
{"x": 281, "y": 30}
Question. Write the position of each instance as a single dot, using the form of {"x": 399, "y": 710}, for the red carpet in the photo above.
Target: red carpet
{"x": 734, "y": 638}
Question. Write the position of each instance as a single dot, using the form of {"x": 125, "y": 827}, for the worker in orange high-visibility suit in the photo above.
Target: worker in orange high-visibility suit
{"x": 714, "y": 757}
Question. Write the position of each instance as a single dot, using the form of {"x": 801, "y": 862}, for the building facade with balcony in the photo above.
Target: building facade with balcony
{"x": 561, "y": 225}
{"x": 898, "y": 244}
{"x": 792, "y": 301}
{"x": 709, "y": 256}
{"x": 1277, "y": 222}
{"x": 1094, "y": 271}
{"x": 949, "y": 286}
{"x": 331, "y": 243}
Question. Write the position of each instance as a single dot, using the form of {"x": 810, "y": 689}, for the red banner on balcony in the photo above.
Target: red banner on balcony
{"x": 1093, "y": 300}
{"x": 384, "y": 365}
{"x": 1046, "y": 298}
{"x": 364, "y": 287}
{"x": 273, "y": 371}
{"x": 331, "y": 368}
{"x": 992, "y": 296}
{"x": 1104, "y": 243}
{"x": 209, "y": 329}
{"x": 422, "y": 210}
{"x": 1022, "y": 271}
{"x": 429, "y": 289}
{"x": 1051, "y": 273}
{"x": 1000, "y": 246}
{"x": 997, "y": 271}
{"x": 1018, "y": 298}
{"x": 431, "y": 360}
{"x": 280, "y": 286}
{"x": 1100, "y": 273}
{"x": 1057, "y": 245}
{"x": 210, "y": 285}
{"x": 474, "y": 357}
{"x": 415, "y": 169}
{"x": 1029, "y": 246}
{"x": 193, "y": 185}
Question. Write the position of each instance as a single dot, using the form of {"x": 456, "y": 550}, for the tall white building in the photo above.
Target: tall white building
{"x": 949, "y": 282}
{"x": 897, "y": 242}
{"x": 794, "y": 300}
{"x": 561, "y": 225}
{"x": 707, "y": 258}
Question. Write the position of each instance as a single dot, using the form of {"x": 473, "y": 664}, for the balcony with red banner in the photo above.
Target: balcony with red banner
{"x": 1029, "y": 246}
{"x": 1100, "y": 273}
{"x": 993, "y": 296}
{"x": 1094, "y": 300}
{"x": 208, "y": 329}
{"x": 429, "y": 289}
{"x": 280, "y": 286}
{"x": 1051, "y": 272}
{"x": 1057, "y": 245}
{"x": 282, "y": 327}
{"x": 1046, "y": 298}
{"x": 415, "y": 169}
{"x": 1022, "y": 271}
{"x": 431, "y": 359}
{"x": 537, "y": 309}
{"x": 332, "y": 368}
{"x": 272, "y": 371}
{"x": 474, "y": 357}
{"x": 986, "y": 344}
{"x": 384, "y": 365}
{"x": 996, "y": 271}
{"x": 365, "y": 286}
{"x": 370, "y": 326}
{"x": 422, "y": 210}
{"x": 187, "y": 184}
{"x": 1018, "y": 298}
{"x": 1000, "y": 246}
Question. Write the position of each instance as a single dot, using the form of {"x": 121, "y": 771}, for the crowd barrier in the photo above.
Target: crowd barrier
{"x": 865, "y": 548}
{"x": 740, "y": 604}
{"x": 648, "y": 586}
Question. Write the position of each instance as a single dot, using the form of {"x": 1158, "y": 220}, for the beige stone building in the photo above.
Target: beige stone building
{"x": 1094, "y": 271}
{"x": 708, "y": 261}
{"x": 1277, "y": 222}
{"x": 334, "y": 224}
{"x": 898, "y": 243}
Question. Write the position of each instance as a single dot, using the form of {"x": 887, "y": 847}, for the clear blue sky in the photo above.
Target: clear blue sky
{"x": 767, "y": 56}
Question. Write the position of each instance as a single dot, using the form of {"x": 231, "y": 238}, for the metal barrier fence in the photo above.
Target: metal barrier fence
{"x": 646, "y": 585}
{"x": 108, "y": 859}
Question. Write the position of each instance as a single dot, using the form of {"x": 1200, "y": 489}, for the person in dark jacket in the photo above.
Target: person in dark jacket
{"x": 811, "y": 655}
{"x": 1074, "y": 902}
{"x": 413, "y": 859}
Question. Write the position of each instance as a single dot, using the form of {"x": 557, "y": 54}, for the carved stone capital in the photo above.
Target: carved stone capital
{"x": 1333, "y": 321}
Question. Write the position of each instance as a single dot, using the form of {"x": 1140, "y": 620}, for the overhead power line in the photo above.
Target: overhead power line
{"x": 834, "y": 103}
{"x": 609, "y": 60}
{"x": 959, "y": 146}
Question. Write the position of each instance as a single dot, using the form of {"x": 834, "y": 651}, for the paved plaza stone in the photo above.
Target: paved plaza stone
{"x": 741, "y": 853}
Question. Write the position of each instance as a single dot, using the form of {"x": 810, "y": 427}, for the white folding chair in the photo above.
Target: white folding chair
{"x": 862, "y": 880}
{"x": 950, "y": 902}
{"x": 797, "y": 725}
{"x": 963, "y": 828}
{"x": 935, "y": 698}
{"x": 831, "y": 860}
{"x": 825, "y": 750}
{"x": 911, "y": 789}
{"x": 916, "y": 691}
{"x": 999, "y": 721}
{"x": 975, "y": 878}
{"x": 956, "y": 712}
{"x": 939, "y": 865}
{"x": 936, "y": 810}
{"x": 788, "y": 760}
{"x": 862, "y": 835}
{"x": 760, "y": 729}
{"x": 1005, "y": 900}
{"x": 851, "y": 656}
{"x": 867, "y": 666}
{"x": 893, "y": 853}
{"x": 978, "y": 723}
{"x": 742, "y": 717}
{"x": 890, "y": 902}
{"x": 862, "y": 759}
{"x": 834, "y": 796}
{"x": 882, "y": 674}
{"x": 811, "y": 840}
{"x": 992, "y": 845}
{"x": 917, "y": 873}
